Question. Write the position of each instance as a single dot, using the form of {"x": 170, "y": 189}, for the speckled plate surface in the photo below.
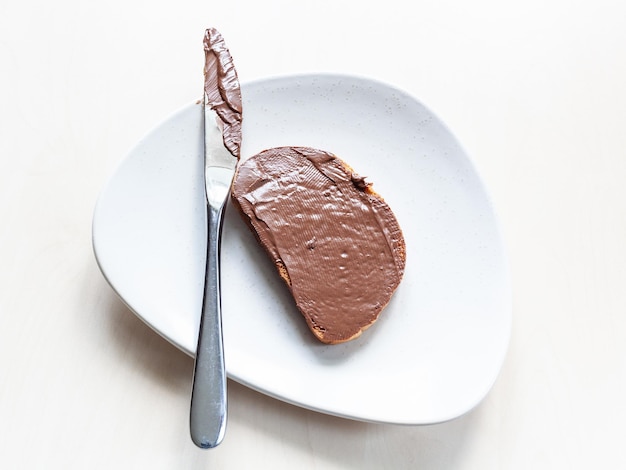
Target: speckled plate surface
{"x": 437, "y": 348}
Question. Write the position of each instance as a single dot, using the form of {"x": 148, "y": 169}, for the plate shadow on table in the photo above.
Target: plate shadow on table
{"x": 345, "y": 443}
{"x": 142, "y": 348}
{"x": 334, "y": 441}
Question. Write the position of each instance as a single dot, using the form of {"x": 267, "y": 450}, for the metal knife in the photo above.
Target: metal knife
{"x": 222, "y": 143}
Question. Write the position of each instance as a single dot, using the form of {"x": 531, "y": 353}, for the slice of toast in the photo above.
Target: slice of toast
{"x": 334, "y": 241}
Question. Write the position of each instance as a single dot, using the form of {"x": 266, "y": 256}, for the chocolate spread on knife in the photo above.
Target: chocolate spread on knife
{"x": 221, "y": 87}
{"x": 335, "y": 242}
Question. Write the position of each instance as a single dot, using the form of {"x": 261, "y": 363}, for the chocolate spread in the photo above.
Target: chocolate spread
{"x": 338, "y": 243}
{"x": 221, "y": 87}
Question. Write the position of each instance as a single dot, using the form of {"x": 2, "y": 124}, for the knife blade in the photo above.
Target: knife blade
{"x": 222, "y": 142}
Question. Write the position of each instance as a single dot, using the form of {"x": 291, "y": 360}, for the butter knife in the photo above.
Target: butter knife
{"x": 222, "y": 142}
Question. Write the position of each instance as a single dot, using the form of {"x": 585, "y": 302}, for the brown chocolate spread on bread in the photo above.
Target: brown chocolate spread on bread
{"x": 334, "y": 241}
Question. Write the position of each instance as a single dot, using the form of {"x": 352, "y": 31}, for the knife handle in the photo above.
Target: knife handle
{"x": 208, "y": 396}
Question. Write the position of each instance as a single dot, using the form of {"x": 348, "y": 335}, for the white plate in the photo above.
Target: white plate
{"x": 437, "y": 348}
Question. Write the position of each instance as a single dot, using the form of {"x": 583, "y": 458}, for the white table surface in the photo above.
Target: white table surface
{"x": 534, "y": 90}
